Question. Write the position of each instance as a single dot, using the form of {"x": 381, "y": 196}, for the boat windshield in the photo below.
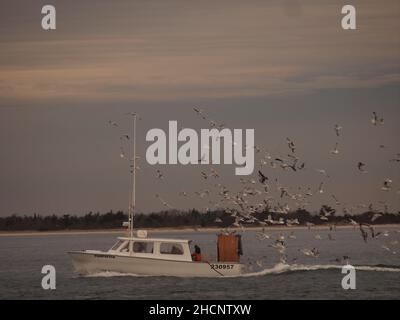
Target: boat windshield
{"x": 119, "y": 245}
{"x": 116, "y": 245}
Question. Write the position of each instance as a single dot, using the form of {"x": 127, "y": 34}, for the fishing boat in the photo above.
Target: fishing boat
{"x": 139, "y": 254}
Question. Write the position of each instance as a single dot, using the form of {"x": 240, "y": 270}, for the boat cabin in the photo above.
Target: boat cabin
{"x": 166, "y": 249}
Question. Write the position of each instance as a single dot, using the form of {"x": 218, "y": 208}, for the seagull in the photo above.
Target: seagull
{"x": 301, "y": 167}
{"x": 375, "y": 120}
{"x": 336, "y": 150}
{"x": 309, "y": 192}
{"x": 386, "y": 185}
{"x": 364, "y": 233}
{"x": 283, "y": 192}
{"x": 132, "y": 114}
{"x": 344, "y": 259}
{"x": 337, "y": 129}
{"x": 320, "y": 189}
{"x": 124, "y": 136}
{"x": 257, "y": 149}
{"x": 236, "y": 224}
{"x": 259, "y": 263}
{"x": 323, "y": 172}
{"x": 361, "y": 166}
{"x": 311, "y": 253}
{"x": 159, "y": 174}
{"x": 291, "y": 145}
{"x": 262, "y": 178}
{"x": 292, "y": 235}
{"x": 262, "y": 236}
{"x": 112, "y": 123}
{"x": 376, "y": 216}
{"x": 214, "y": 173}
{"x": 336, "y": 200}
{"x": 279, "y": 245}
{"x": 385, "y": 233}
{"x": 396, "y": 159}
{"x": 326, "y": 211}
{"x": 199, "y": 112}
{"x": 353, "y": 222}
{"x": 122, "y": 153}
{"x": 162, "y": 201}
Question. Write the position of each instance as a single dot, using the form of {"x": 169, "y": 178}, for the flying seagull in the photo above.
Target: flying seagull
{"x": 112, "y": 123}
{"x": 335, "y": 150}
{"x": 320, "y": 188}
{"x": 361, "y": 166}
{"x": 387, "y": 185}
{"x": 337, "y": 129}
{"x": 124, "y": 136}
{"x": 262, "y": 177}
{"x": 159, "y": 174}
{"x": 291, "y": 145}
{"x": 375, "y": 120}
{"x": 323, "y": 172}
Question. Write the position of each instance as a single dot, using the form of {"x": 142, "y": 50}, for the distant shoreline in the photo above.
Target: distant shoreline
{"x": 176, "y": 230}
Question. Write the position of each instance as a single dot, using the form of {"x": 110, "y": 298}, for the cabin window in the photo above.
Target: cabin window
{"x": 142, "y": 247}
{"x": 171, "y": 248}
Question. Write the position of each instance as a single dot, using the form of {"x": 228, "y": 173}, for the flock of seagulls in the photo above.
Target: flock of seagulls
{"x": 281, "y": 242}
{"x": 257, "y": 197}
{"x": 256, "y": 194}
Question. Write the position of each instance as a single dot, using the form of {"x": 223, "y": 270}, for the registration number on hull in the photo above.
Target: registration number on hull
{"x": 222, "y": 266}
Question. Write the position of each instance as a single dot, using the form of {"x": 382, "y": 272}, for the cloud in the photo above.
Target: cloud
{"x": 159, "y": 53}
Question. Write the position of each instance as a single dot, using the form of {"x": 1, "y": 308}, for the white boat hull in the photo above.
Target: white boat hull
{"x": 86, "y": 262}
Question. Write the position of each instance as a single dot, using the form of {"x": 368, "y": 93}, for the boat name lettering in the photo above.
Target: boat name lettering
{"x": 104, "y": 256}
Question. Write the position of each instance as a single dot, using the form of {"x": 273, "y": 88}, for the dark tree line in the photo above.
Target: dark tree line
{"x": 175, "y": 218}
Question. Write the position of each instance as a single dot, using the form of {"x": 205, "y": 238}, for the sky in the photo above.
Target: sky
{"x": 283, "y": 68}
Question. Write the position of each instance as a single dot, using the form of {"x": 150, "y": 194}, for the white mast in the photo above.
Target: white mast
{"x": 133, "y": 173}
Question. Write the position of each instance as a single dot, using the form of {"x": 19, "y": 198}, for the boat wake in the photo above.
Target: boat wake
{"x": 282, "y": 268}
{"x": 277, "y": 269}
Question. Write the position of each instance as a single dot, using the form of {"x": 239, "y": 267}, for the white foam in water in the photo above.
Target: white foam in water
{"x": 110, "y": 274}
{"x": 277, "y": 269}
{"x": 372, "y": 268}
{"x": 281, "y": 268}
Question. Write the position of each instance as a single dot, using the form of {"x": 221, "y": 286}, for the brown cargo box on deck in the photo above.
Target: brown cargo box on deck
{"x": 229, "y": 248}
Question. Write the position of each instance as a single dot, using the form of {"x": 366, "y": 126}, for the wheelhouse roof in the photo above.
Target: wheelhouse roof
{"x": 154, "y": 239}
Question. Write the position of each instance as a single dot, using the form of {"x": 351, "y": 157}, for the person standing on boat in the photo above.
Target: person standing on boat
{"x": 196, "y": 256}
